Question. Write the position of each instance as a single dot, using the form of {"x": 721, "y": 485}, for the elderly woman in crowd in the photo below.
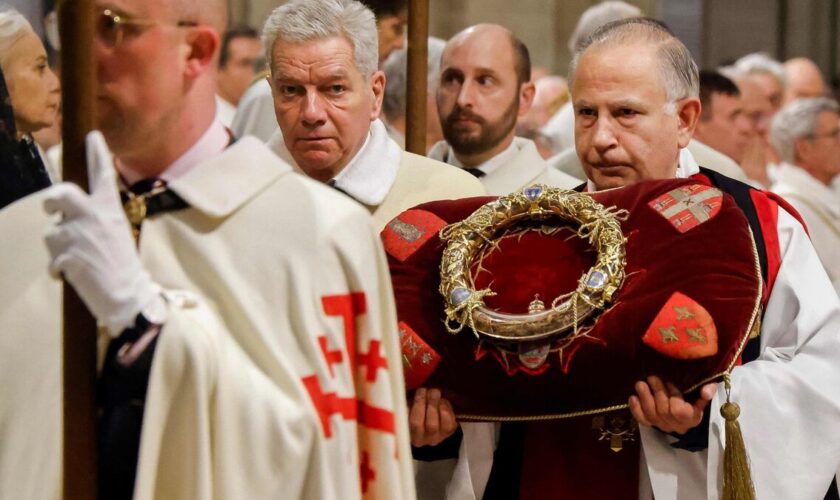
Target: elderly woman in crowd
{"x": 29, "y": 99}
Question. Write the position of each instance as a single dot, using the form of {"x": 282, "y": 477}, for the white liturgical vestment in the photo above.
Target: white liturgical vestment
{"x": 277, "y": 374}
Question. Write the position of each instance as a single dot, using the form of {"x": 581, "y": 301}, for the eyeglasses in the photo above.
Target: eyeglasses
{"x": 112, "y": 27}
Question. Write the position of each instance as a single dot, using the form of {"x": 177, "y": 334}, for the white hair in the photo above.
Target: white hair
{"x": 396, "y": 69}
{"x": 677, "y": 70}
{"x": 302, "y": 21}
{"x": 798, "y": 120}
{"x": 598, "y": 15}
{"x": 12, "y": 26}
{"x": 758, "y": 63}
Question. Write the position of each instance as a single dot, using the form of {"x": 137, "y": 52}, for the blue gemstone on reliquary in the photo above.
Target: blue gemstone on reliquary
{"x": 459, "y": 295}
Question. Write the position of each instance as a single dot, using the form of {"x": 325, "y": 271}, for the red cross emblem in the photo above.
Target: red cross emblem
{"x": 372, "y": 361}
{"x": 327, "y": 404}
{"x": 332, "y": 357}
{"x": 688, "y": 206}
{"x": 366, "y": 474}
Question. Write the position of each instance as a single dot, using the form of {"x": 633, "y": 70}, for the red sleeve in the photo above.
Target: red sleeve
{"x": 767, "y": 207}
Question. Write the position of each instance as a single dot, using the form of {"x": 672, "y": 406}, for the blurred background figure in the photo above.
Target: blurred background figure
{"x": 393, "y": 105}
{"x": 391, "y": 18}
{"x": 761, "y": 81}
{"x": 806, "y": 133}
{"x": 767, "y": 74}
{"x": 551, "y": 93}
{"x": 560, "y": 129}
{"x": 241, "y": 59}
{"x": 723, "y": 125}
{"x": 29, "y": 101}
{"x": 804, "y": 79}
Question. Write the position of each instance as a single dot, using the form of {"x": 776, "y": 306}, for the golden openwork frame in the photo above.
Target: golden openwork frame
{"x": 469, "y": 239}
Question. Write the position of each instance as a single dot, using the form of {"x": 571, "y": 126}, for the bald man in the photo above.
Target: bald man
{"x": 804, "y": 79}
{"x": 251, "y": 292}
{"x": 484, "y": 87}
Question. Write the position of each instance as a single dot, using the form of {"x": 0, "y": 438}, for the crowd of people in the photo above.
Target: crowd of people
{"x": 229, "y": 248}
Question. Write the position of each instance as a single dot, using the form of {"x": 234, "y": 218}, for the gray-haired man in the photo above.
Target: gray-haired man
{"x": 806, "y": 133}
{"x": 328, "y": 95}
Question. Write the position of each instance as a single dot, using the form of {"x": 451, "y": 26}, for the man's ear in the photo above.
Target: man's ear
{"x": 688, "y": 112}
{"x": 802, "y": 149}
{"x": 526, "y": 97}
{"x": 377, "y": 86}
{"x": 203, "y": 46}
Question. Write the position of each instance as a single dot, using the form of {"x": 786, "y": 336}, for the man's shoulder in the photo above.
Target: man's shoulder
{"x": 436, "y": 174}
{"x": 557, "y": 178}
{"x": 713, "y": 159}
{"x": 567, "y": 161}
{"x": 249, "y": 174}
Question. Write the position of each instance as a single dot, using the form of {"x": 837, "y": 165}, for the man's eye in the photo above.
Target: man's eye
{"x": 627, "y": 112}
{"x": 337, "y": 89}
{"x": 484, "y": 80}
{"x": 586, "y": 112}
{"x": 288, "y": 90}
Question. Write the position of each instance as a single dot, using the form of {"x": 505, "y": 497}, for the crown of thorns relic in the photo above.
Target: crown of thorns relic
{"x": 468, "y": 240}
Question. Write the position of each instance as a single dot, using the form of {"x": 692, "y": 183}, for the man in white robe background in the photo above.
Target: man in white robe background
{"x": 806, "y": 133}
{"x": 328, "y": 97}
{"x": 240, "y": 59}
{"x": 484, "y": 86}
{"x": 258, "y": 306}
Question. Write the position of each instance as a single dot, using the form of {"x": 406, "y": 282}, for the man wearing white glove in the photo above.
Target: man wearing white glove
{"x": 253, "y": 322}
{"x": 94, "y": 249}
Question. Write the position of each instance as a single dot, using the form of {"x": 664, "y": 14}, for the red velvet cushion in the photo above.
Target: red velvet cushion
{"x": 713, "y": 264}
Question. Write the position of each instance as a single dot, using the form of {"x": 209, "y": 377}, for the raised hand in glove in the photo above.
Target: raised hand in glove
{"x": 92, "y": 246}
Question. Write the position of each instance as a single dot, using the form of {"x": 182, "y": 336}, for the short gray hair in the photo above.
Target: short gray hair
{"x": 760, "y": 63}
{"x": 596, "y": 16}
{"x": 396, "y": 68}
{"x": 677, "y": 70}
{"x": 302, "y": 21}
{"x": 798, "y": 120}
{"x": 12, "y": 26}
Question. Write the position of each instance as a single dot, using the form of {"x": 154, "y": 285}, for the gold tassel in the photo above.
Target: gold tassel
{"x": 737, "y": 480}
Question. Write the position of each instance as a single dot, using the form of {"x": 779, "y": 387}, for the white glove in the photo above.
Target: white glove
{"x": 93, "y": 246}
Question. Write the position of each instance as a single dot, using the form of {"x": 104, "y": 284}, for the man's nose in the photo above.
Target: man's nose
{"x": 466, "y": 94}
{"x": 312, "y": 112}
{"x": 603, "y": 135}
{"x": 743, "y": 125}
{"x": 53, "y": 84}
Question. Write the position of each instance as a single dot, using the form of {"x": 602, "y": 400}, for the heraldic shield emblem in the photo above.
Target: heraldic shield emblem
{"x": 549, "y": 303}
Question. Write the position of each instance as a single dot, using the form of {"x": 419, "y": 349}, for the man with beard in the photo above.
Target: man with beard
{"x": 484, "y": 86}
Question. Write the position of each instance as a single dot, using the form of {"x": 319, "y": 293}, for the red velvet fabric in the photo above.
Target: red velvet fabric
{"x": 713, "y": 264}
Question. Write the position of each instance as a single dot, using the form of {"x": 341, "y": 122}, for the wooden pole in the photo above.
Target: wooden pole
{"x": 76, "y": 27}
{"x": 416, "y": 79}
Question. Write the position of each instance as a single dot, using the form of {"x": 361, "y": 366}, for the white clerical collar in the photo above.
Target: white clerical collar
{"x": 369, "y": 176}
{"x": 686, "y": 167}
{"x": 225, "y": 111}
{"x": 493, "y": 163}
{"x": 372, "y": 172}
{"x": 210, "y": 144}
